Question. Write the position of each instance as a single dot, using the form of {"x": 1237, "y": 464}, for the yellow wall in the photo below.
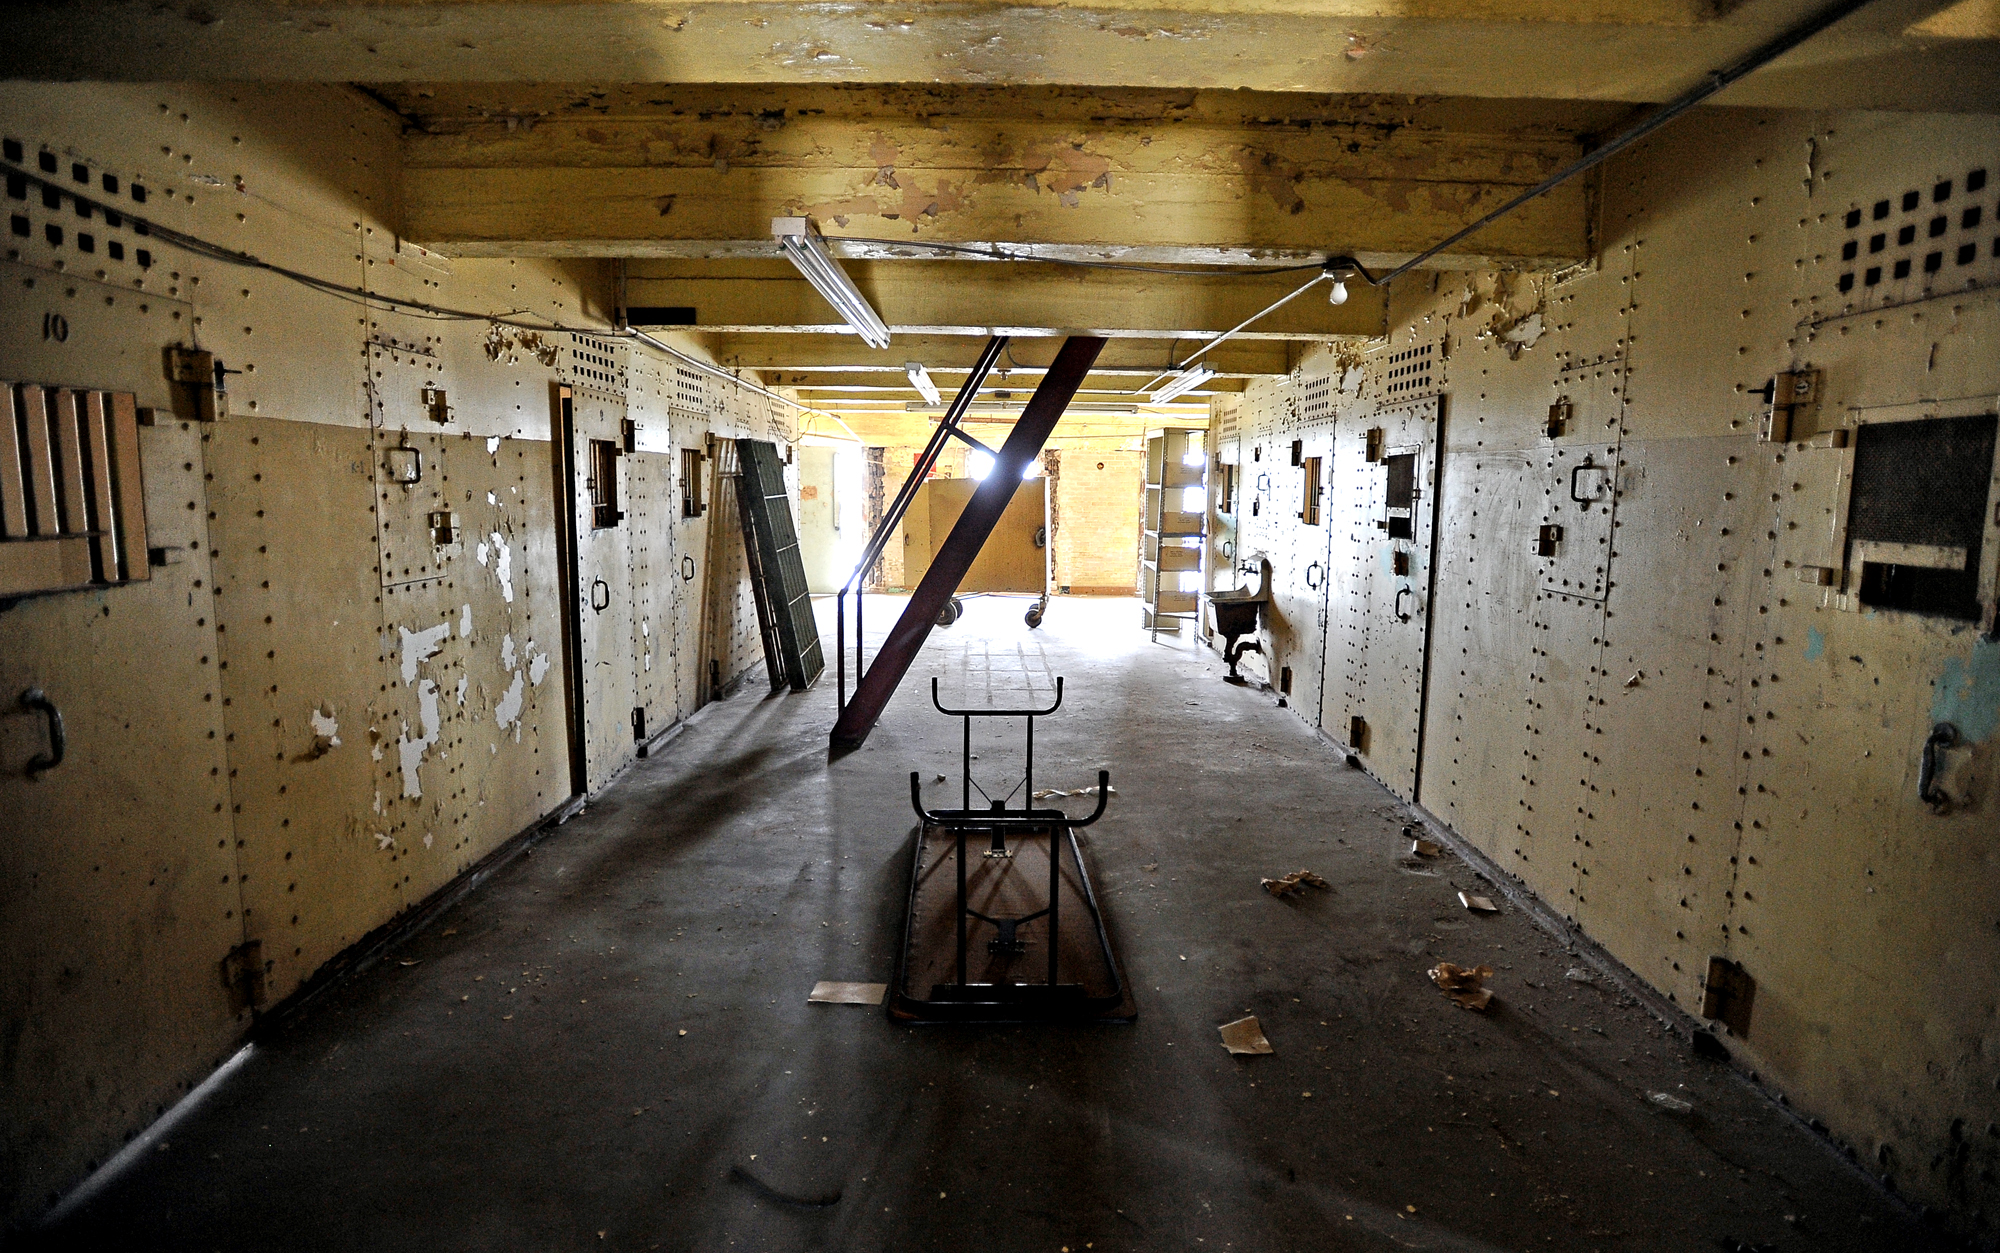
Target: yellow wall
{"x": 315, "y": 716}
{"x": 1711, "y": 757}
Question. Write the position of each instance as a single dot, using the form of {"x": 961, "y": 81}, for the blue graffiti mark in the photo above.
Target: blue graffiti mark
{"x": 1968, "y": 692}
{"x": 1815, "y": 643}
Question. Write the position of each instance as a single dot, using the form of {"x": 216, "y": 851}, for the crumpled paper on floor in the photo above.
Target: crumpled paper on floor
{"x": 1244, "y": 1036}
{"x": 1461, "y": 984}
{"x": 1293, "y": 882}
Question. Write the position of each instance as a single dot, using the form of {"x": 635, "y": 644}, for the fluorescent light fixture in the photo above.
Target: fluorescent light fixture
{"x": 920, "y": 379}
{"x": 805, "y": 249}
{"x": 1014, "y": 406}
{"x": 1186, "y": 381}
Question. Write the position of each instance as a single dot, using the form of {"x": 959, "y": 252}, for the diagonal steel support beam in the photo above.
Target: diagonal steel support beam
{"x": 968, "y": 536}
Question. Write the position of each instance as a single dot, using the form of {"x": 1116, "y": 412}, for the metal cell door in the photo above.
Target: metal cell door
{"x": 1394, "y": 575}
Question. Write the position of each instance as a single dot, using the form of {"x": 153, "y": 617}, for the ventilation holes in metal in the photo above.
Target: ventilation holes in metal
{"x": 1410, "y": 370}
{"x": 1920, "y": 240}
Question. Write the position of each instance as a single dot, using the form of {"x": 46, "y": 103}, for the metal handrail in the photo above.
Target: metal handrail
{"x": 946, "y": 429}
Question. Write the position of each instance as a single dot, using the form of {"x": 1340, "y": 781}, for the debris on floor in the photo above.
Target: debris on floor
{"x": 1420, "y": 847}
{"x": 1462, "y": 984}
{"x": 831, "y": 992}
{"x": 1577, "y": 974}
{"x": 1478, "y": 904}
{"x": 1294, "y": 882}
{"x": 1245, "y": 1036}
{"x": 1049, "y": 793}
{"x": 1670, "y": 1103}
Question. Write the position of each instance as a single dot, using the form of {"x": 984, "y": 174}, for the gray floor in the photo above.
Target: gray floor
{"x": 608, "y": 1046}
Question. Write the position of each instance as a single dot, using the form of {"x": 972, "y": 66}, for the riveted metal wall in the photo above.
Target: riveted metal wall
{"x": 343, "y": 687}
{"x": 1679, "y": 723}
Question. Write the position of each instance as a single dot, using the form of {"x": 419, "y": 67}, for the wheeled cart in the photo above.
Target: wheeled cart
{"x": 1003, "y": 924}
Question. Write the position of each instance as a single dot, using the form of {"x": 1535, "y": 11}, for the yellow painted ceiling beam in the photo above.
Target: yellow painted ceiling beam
{"x": 977, "y": 298}
{"x": 788, "y": 360}
{"x": 1194, "y": 191}
{"x": 1584, "y": 49}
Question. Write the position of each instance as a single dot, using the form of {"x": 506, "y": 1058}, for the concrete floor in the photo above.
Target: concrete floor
{"x": 603, "y": 1046}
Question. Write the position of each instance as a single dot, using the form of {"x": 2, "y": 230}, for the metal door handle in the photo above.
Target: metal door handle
{"x": 1400, "y": 593}
{"x": 1577, "y": 473}
{"x": 1942, "y": 736}
{"x": 1313, "y": 576}
{"x": 599, "y": 604}
{"x": 36, "y": 698}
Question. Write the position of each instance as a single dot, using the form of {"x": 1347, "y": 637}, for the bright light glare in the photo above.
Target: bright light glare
{"x": 979, "y": 464}
{"x": 1193, "y": 500}
{"x": 1196, "y": 456}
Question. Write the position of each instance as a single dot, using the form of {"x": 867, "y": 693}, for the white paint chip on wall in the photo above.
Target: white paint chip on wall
{"x": 508, "y": 711}
{"x": 421, "y": 646}
{"x": 492, "y": 445}
{"x": 411, "y": 752}
{"x": 464, "y": 621}
{"x": 464, "y": 681}
{"x": 507, "y": 651}
{"x": 538, "y": 665}
{"x": 325, "y": 727}
{"x": 479, "y": 552}
{"x": 503, "y": 566}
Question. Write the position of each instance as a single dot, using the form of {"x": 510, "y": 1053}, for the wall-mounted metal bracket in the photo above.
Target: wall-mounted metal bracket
{"x": 1788, "y": 397}
{"x": 436, "y": 406}
{"x": 202, "y": 380}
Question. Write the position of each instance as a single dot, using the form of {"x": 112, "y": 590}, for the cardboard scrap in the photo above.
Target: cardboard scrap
{"x": 1244, "y": 1036}
{"x": 1294, "y": 882}
{"x": 1477, "y": 904}
{"x": 831, "y": 992}
{"x": 1421, "y": 847}
{"x": 1461, "y": 984}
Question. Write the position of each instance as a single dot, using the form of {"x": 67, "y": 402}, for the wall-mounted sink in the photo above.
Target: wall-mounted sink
{"x": 1236, "y": 612}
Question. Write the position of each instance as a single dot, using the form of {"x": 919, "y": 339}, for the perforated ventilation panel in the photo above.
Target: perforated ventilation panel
{"x": 75, "y": 211}
{"x": 1316, "y": 398}
{"x": 1410, "y": 371}
{"x": 690, "y": 390}
{"x": 1915, "y": 241}
{"x": 593, "y": 363}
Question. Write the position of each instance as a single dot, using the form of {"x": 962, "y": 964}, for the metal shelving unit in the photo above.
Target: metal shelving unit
{"x": 1170, "y": 542}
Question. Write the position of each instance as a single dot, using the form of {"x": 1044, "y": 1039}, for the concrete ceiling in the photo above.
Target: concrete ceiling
{"x": 1235, "y": 142}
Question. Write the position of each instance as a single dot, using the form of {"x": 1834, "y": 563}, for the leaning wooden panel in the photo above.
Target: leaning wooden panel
{"x": 96, "y": 448}
{"x": 66, "y": 435}
{"x": 41, "y": 460}
{"x": 128, "y": 487}
{"x": 13, "y": 478}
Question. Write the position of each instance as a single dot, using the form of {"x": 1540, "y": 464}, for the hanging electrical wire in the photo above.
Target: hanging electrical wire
{"x": 200, "y": 247}
{"x": 1339, "y": 269}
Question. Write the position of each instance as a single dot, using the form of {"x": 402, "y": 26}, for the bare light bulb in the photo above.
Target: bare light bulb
{"x": 1338, "y": 296}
